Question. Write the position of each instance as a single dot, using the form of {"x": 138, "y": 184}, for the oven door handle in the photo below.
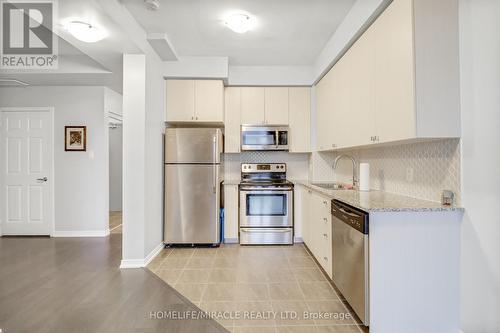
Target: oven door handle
{"x": 256, "y": 230}
{"x": 274, "y": 189}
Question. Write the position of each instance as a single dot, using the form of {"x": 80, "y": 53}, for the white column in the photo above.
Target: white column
{"x": 134, "y": 164}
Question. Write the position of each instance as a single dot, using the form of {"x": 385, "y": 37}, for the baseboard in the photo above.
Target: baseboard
{"x": 298, "y": 240}
{"x": 139, "y": 263}
{"x": 132, "y": 263}
{"x": 153, "y": 254}
{"x": 231, "y": 240}
{"x": 81, "y": 233}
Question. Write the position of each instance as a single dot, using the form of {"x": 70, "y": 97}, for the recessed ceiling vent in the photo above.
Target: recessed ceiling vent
{"x": 5, "y": 82}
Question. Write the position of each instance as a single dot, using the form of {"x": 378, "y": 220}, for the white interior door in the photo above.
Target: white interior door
{"x": 26, "y": 172}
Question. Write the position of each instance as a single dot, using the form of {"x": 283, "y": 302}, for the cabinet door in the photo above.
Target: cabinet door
{"x": 300, "y": 119}
{"x": 209, "y": 100}
{"x": 325, "y": 111}
{"x": 339, "y": 131}
{"x": 231, "y": 212}
{"x": 252, "y": 105}
{"x": 276, "y": 105}
{"x": 180, "y": 100}
{"x": 232, "y": 120}
{"x": 362, "y": 91}
{"x": 394, "y": 73}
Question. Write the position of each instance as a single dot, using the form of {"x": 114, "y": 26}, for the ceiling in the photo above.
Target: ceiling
{"x": 289, "y": 32}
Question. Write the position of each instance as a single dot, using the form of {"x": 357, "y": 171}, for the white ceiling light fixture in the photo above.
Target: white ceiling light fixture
{"x": 85, "y": 32}
{"x": 240, "y": 22}
{"x": 152, "y": 4}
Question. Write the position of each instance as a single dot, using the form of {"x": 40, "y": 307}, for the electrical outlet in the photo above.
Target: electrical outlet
{"x": 409, "y": 175}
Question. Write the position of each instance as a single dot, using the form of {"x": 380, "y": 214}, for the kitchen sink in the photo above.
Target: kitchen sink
{"x": 332, "y": 186}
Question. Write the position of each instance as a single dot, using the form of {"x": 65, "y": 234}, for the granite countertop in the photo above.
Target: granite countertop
{"x": 379, "y": 201}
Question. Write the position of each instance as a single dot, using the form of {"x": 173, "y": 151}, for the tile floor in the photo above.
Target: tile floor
{"x": 280, "y": 286}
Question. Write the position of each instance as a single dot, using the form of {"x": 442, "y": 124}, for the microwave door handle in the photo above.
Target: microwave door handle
{"x": 277, "y": 139}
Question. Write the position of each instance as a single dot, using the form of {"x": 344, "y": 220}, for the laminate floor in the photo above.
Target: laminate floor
{"x": 115, "y": 222}
{"x": 258, "y": 288}
{"x": 72, "y": 285}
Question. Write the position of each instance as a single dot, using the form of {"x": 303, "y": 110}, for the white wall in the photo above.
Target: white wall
{"x": 143, "y": 116}
{"x": 155, "y": 117}
{"x": 81, "y": 181}
{"x": 270, "y": 76}
{"x": 134, "y": 170}
{"x": 480, "y": 84}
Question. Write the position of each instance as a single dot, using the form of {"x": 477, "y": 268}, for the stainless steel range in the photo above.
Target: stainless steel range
{"x": 266, "y": 204}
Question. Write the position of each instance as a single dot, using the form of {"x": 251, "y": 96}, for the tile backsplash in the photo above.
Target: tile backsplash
{"x": 435, "y": 166}
{"x": 297, "y": 164}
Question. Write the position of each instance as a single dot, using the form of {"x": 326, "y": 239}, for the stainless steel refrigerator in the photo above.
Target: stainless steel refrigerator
{"x": 192, "y": 185}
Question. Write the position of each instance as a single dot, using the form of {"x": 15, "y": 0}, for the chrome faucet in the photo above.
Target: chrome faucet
{"x": 354, "y": 167}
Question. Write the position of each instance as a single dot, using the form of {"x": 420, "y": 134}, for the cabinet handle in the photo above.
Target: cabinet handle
{"x": 325, "y": 202}
{"x": 325, "y": 219}
{"x": 325, "y": 258}
{"x": 196, "y": 118}
{"x": 326, "y": 236}
{"x": 192, "y": 118}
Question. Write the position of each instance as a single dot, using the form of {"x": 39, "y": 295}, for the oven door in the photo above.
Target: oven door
{"x": 266, "y": 208}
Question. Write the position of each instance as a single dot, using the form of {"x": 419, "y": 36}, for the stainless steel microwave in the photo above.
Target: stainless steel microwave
{"x": 258, "y": 137}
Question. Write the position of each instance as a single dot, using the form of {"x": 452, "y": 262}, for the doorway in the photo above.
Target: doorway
{"x": 26, "y": 171}
{"x": 115, "y": 172}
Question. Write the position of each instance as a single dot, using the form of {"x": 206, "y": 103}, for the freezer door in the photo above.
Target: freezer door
{"x": 192, "y": 204}
{"x": 193, "y": 145}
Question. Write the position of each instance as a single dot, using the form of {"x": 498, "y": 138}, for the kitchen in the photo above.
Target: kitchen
{"x": 359, "y": 237}
{"x": 328, "y": 184}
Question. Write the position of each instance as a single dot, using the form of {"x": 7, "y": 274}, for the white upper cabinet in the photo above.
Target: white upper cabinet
{"x": 252, "y": 105}
{"x": 325, "y": 111}
{"x": 399, "y": 81}
{"x": 299, "y": 116}
{"x": 209, "y": 100}
{"x": 289, "y": 106}
{"x": 180, "y": 100}
{"x": 394, "y": 79}
{"x": 362, "y": 91}
{"x": 195, "y": 101}
{"x": 276, "y": 105}
{"x": 232, "y": 120}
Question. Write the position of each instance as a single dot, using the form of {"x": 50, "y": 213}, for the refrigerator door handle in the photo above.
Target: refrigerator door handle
{"x": 214, "y": 147}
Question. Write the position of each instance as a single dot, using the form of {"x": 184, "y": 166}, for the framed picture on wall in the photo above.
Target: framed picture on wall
{"x": 75, "y": 138}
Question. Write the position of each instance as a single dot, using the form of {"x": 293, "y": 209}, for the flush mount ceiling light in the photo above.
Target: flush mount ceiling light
{"x": 152, "y": 4}
{"x": 240, "y": 22}
{"x": 85, "y": 32}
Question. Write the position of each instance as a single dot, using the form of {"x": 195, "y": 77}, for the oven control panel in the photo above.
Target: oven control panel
{"x": 263, "y": 167}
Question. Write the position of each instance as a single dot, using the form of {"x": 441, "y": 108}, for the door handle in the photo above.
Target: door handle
{"x": 44, "y": 179}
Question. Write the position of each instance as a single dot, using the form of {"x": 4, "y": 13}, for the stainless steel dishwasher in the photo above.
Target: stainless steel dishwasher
{"x": 350, "y": 256}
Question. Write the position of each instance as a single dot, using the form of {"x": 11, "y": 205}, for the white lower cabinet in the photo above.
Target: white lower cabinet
{"x": 231, "y": 213}
{"x": 317, "y": 226}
